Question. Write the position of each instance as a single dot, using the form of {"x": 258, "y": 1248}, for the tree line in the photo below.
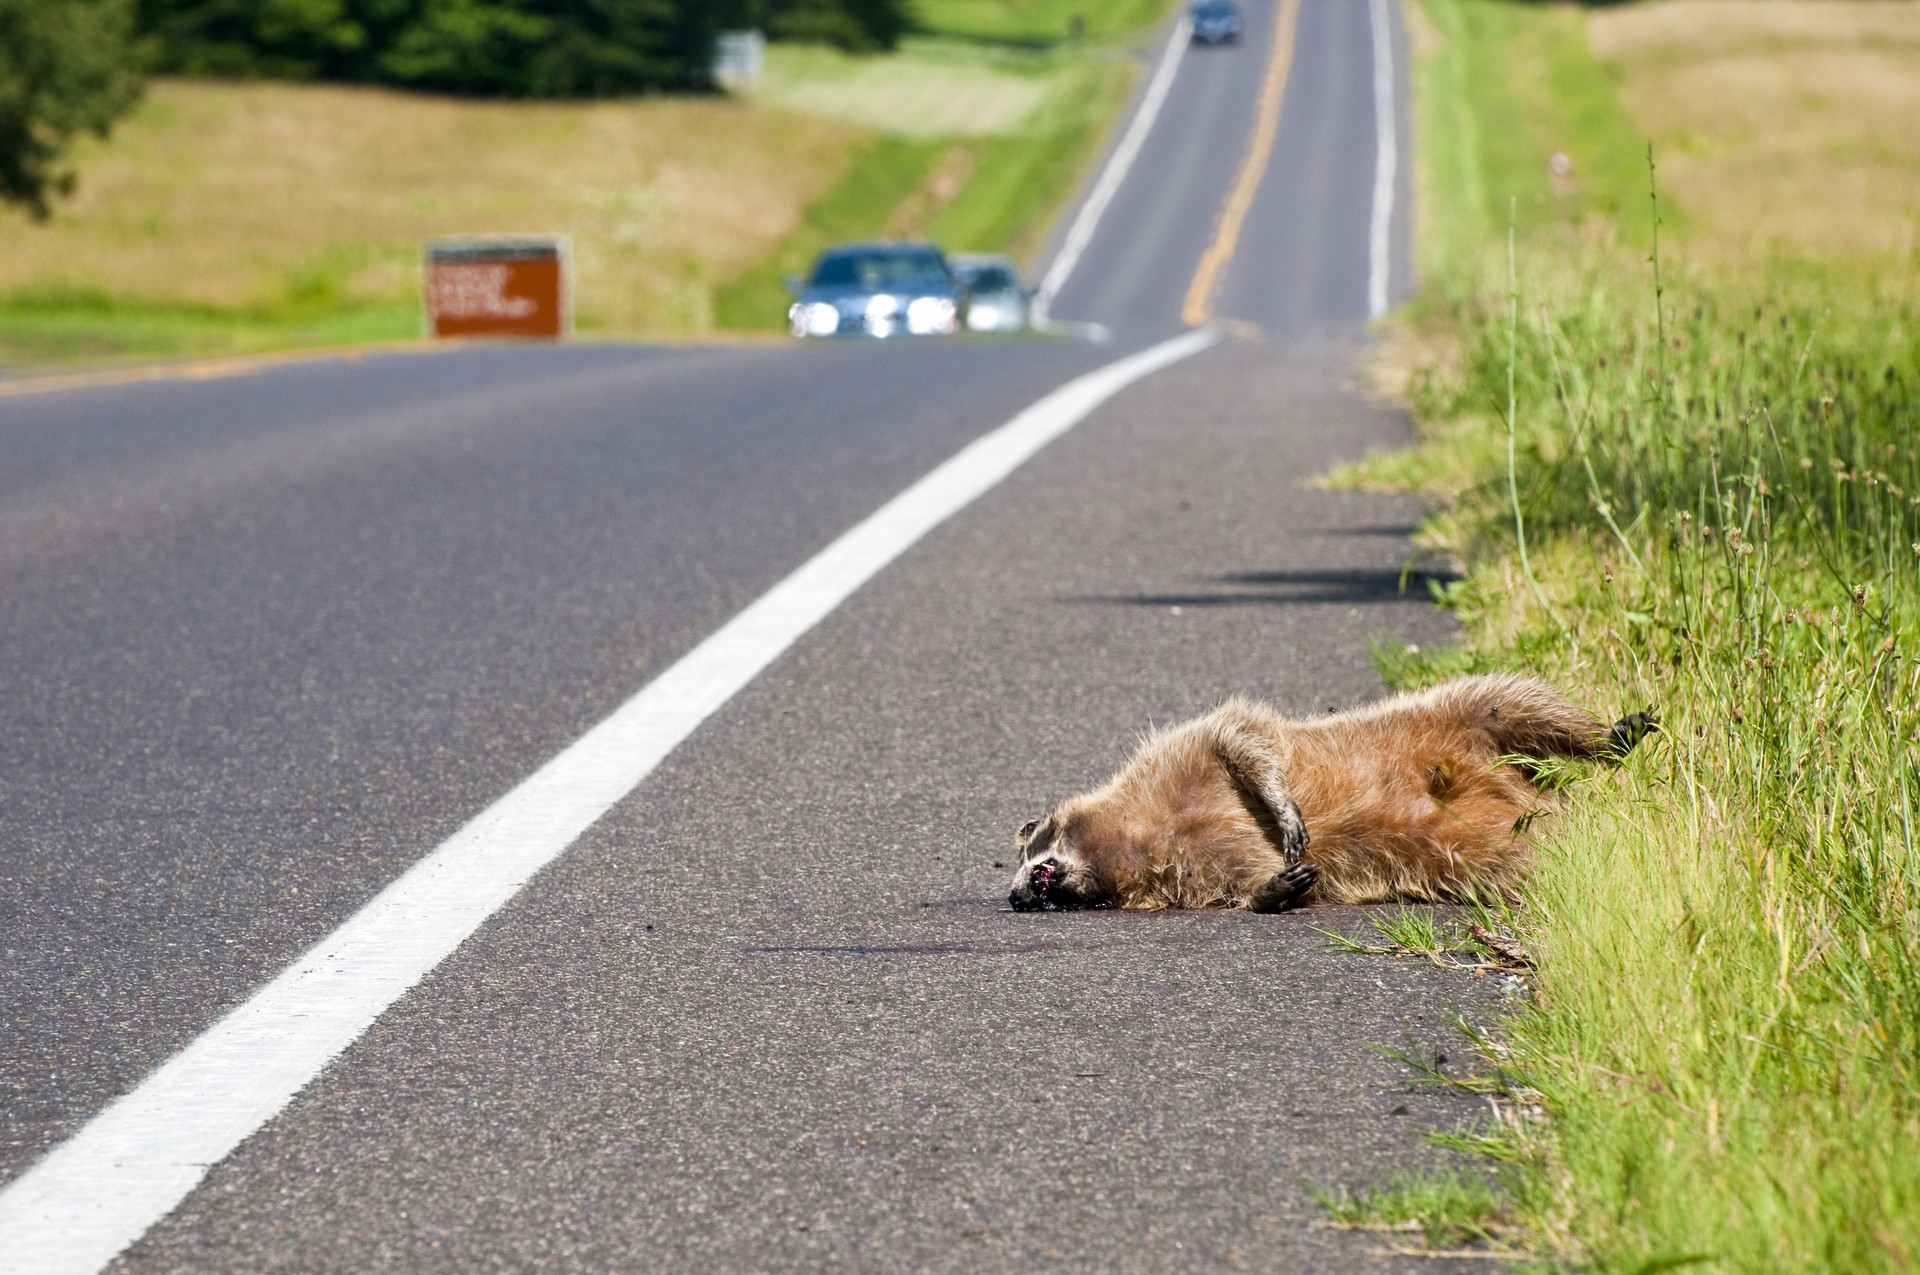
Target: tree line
{"x": 73, "y": 66}
{"x": 505, "y": 48}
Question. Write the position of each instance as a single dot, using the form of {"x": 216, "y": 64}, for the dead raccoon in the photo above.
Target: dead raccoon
{"x": 1405, "y": 799}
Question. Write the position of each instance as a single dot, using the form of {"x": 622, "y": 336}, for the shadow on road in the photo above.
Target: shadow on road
{"x": 1292, "y": 588}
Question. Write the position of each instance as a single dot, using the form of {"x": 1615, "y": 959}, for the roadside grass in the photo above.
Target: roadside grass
{"x": 1693, "y": 484}
{"x": 1406, "y": 930}
{"x": 227, "y": 216}
{"x": 1036, "y": 23}
{"x": 1503, "y": 88}
{"x": 1722, "y": 515}
{"x": 1481, "y": 940}
{"x": 55, "y": 326}
{"x": 1445, "y": 1210}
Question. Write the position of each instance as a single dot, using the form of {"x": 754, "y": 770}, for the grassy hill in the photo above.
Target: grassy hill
{"x": 230, "y": 216}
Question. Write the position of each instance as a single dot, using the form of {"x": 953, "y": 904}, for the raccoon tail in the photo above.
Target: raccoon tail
{"x": 1523, "y": 716}
{"x": 1625, "y": 733}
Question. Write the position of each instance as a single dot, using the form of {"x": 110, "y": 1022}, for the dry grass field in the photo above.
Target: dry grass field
{"x": 1781, "y": 125}
{"x": 920, "y": 94}
{"x": 268, "y": 195}
{"x": 230, "y": 216}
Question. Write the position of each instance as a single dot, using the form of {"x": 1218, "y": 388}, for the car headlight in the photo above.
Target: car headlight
{"x": 927, "y": 315}
{"x": 983, "y": 317}
{"x": 816, "y": 318}
{"x": 881, "y": 307}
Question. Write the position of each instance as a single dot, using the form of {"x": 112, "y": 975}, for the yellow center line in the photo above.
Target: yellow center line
{"x": 1199, "y": 305}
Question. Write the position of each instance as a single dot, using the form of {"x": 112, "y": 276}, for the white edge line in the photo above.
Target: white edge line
{"x": 95, "y": 1194}
{"x": 1380, "y": 245}
{"x": 1088, "y": 218}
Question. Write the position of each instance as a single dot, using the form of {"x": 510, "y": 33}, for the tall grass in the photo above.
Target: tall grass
{"x": 1725, "y": 511}
{"x": 1718, "y": 476}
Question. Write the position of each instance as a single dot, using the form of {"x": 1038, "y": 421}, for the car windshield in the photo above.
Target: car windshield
{"x": 882, "y": 271}
{"x": 1212, "y": 10}
{"x": 995, "y": 279}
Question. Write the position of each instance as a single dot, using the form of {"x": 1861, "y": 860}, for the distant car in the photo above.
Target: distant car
{"x": 877, "y": 290}
{"x": 996, "y": 301}
{"x": 1215, "y": 22}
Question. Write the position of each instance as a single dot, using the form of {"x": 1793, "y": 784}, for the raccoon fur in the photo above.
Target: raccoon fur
{"x": 1422, "y": 796}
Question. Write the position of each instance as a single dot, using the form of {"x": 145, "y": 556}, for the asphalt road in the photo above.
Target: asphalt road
{"x": 1301, "y": 268}
{"x": 268, "y": 640}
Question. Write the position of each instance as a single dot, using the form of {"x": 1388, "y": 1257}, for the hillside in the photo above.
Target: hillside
{"x": 227, "y": 216}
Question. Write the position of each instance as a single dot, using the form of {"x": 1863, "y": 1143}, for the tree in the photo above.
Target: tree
{"x": 67, "y": 67}
{"x": 598, "y": 48}
{"x": 503, "y": 48}
{"x": 860, "y": 26}
{"x": 284, "y": 39}
{"x": 465, "y": 46}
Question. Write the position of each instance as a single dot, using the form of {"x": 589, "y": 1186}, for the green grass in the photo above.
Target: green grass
{"x": 1037, "y": 23}
{"x": 51, "y": 327}
{"x": 1448, "y": 943}
{"x": 1509, "y": 86}
{"x": 1405, "y": 931}
{"x": 883, "y": 175}
{"x": 1446, "y": 1210}
{"x": 1020, "y": 181}
{"x": 1408, "y": 931}
{"x": 1717, "y": 475}
{"x": 1722, "y": 521}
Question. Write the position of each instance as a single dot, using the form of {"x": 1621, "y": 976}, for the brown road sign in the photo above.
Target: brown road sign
{"x": 516, "y": 287}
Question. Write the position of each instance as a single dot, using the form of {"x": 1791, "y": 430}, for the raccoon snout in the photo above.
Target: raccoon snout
{"x": 1033, "y": 891}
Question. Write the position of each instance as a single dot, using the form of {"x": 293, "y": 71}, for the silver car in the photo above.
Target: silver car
{"x": 877, "y": 290}
{"x": 996, "y": 300}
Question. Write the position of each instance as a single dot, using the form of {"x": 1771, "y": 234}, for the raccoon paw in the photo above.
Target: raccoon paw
{"x": 1293, "y": 833}
{"x": 1627, "y": 732}
{"x": 1284, "y": 890}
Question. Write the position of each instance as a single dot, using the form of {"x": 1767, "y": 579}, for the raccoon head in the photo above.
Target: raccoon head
{"x": 1053, "y": 876}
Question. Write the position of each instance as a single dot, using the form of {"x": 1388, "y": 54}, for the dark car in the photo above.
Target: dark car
{"x": 877, "y": 290}
{"x": 996, "y": 299}
{"x": 1216, "y": 22}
